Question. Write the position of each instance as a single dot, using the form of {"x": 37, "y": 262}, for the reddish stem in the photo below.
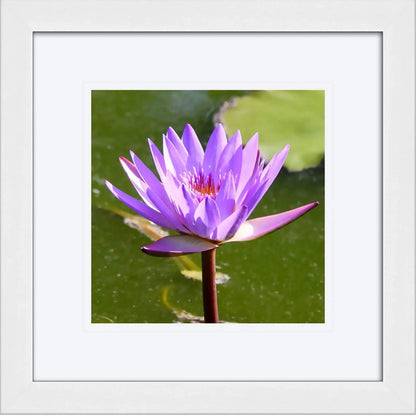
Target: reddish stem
{"x": 209, "y": 289}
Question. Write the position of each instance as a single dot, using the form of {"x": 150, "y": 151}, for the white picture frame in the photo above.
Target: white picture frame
{"x": 395, "y": 393}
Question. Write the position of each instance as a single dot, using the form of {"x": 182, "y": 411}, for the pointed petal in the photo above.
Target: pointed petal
{"x": 188, "y": 212}
{"x": 148, "y": 177}
{"x": 175, "y": 245}
{"x": 228, "y": 227}
{"x": 233, "y": 150}
{"x": 136, "y": 180}
{"x": 213, "y": 215}
{"x": 153, "y": 192}
{"x": 199, "y": 227}
{"x": 180, "y": 204}
{"x": 267, "y": 178}
{"x": 253, "y": 183}
{"x": 206, "y": 217}
{"x": 139, "y": 207}
{"x": 215, "y": 146}
{"x": 175, "y": 161}
{"x": 276, "y": 163}
{"x": 157, "y": 158}
{"x": 254, "y": 196}
{"x": 199, "y": 223}
{"x": 194, "y": 148}
{"x": 226, "y": 196}
{"x": 189, "y": 200}
{"x": 250, "y": 160}
{"x": 255, "y": 228}
{"x": 167, "y": 210}
{"x": 177, "y": 142}
{"x": 156, "y": 193}
{"x": 166, "y": 203}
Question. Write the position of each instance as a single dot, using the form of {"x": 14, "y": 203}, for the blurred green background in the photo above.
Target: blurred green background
{"x": 278, "y": 278}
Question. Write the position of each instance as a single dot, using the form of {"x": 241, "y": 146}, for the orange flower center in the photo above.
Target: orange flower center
{"x": 201, "y": 185}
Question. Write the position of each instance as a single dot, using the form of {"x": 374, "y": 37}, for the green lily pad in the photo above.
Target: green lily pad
{"x": 281, "y": 117}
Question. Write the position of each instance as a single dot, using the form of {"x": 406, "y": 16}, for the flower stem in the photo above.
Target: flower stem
{"x": 209, "y": 289}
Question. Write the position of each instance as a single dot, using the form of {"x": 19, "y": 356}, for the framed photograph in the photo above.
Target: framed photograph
{"x": 165, "y": 166}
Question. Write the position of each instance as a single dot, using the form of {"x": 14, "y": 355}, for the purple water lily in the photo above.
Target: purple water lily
{"x": 205, "y": 197}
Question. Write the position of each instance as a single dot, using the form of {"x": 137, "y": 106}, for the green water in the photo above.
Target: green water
{"x": 275, "y": 279}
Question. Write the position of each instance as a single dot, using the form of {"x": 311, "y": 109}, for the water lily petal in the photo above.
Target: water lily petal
{"x": 206, "y": 217}
{"x": 174, "y": 160}
{"x": 250, "y": 160}
{"x": 175, "y": 245}
{"x": 255, "y": 228}
{"x": 226, "y": 196}
{"x": 212, "y": 214}
{"x": 188, "y": 202}
{"x": 149, "y": 177}
{"x": 188, "y": 212}
{"x": 139, "y": 207}
{"x": 228, "y": 227}
{"x": 157, "y": 158}
{"x": 157, "y": 195}
{"x": 253, "y": 184}
{"x": 267, "y": 178}
{"x": 194, "y": 148}
{"x": 177, "y": 142}
{"x": 231, "y": 157}
{"x": 215, "y": 146}
{"x": 167, "y": 209}
{"x": 276, "y": 163}
{"x": 179, "y": 202}
{"x": 136, "y": 181}
{"x": 198, "y": 227}
{"x": 254, "y": 196}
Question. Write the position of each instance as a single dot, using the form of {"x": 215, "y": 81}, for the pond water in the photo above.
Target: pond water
{"x": 278, "y": 278}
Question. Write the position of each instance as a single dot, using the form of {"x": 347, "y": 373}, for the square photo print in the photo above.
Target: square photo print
{"x": 207, "y": 206}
